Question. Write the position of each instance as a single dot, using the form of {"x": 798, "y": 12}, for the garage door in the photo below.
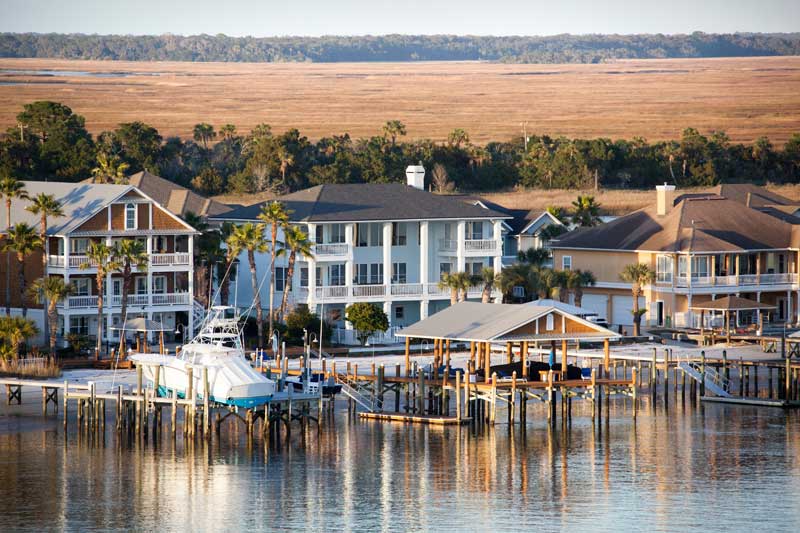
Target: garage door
{"x": 621, "y": 307}
{"x": 597, "y": 303}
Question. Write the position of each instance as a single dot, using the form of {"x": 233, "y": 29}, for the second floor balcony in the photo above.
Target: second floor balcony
{"x": 134, "y": 300}
{"x": 742, "y": 280}
{"x": 331, "y": 251}
{"x": 395, "y": 291}
{"x": 472, "y": 247}
{"x": 156, "y": 260}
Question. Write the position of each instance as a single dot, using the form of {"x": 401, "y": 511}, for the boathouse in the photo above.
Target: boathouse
{"x": 517, "y": 328}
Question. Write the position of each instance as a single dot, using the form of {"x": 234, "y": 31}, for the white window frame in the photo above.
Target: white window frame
{"x": 336, "y": 233}
{"x": 336, "y": 275}
{"x": 304, "y": 277}
{"x": 376, "y": 274}
{"x": 116, "y": 286}
{"x": 83, "y": 286}
{"x": 131, "y": 206}
{"x": 399, "y": 234}
{"x": 445, "y": 268}
{"x": 566, "y": 262}
{"x": 664, "y": 267}
{"x": 474, "y": 230}
{"x": 399, "y": 273}
{"x": 399, "y": 313}
{"x": 280, "y": 279}
{"x": 141, "y": 281}
{"x": 160, "y": 280}
{"x": 550, "y": 324}
{"x": 78, "y": 246}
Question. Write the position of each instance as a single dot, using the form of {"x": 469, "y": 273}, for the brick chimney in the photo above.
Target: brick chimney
{"x": 664, "y": 199}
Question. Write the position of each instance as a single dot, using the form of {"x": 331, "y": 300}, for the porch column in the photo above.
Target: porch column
{"x": 736, "y": 267}
{"x": 150, "y": 272}
{"x": 423, "y": 309}
{"x": 66, "y": 277}
{"x": 190, "y": 278}
{"x": 348, "y": 264}
{"x": 387, "y": 308}
{"x": 498, "y": 239}
{"x": 788, "y": 306}
{"x": 461, "y": 234}
{"x": 689, "y": 271}
{"x": 758, "y": 268}
{"x": 758, "y": 311}
{"x": 797, "y": 318}
{"x": 713, "y": 270}
{"x": 424, "y": 277}
{"x": 387, "y": 258}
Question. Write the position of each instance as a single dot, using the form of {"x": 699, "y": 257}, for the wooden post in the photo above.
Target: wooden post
{"x": 703, "y": 373}
{"x": 408, "y": 356}
{"x": 563, "y": 359}
{"x": 594, "y": 392}
{"x": 493, "y": 413}
{"x": 523, "y": 356}
{"x": 653, "y": 374}
{"x": 206, "y": 405}
{"x": 447, "y": 360}
{"x": 487, "y": 360}
{"x": 509, "y": 353}
{"x": 472, "y": 351}
{"x": 634, "y": 392}
{"x": 606, "y": 356}
{"x": 512, "y": 399}
{"x": 788, "y": 381}
{"x": 421, "y": 393}
{"x": 458, "y": 396}
{"x": 189, "y": 420}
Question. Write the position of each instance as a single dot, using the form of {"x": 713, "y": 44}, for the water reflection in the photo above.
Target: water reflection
{"x": 680, "y": 468}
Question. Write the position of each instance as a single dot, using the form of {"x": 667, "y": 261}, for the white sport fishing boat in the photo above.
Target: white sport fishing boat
{"x": 218, "y": 347}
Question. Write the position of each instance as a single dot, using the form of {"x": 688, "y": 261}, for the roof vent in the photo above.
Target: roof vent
{"x": 415, "y": 176}
{"x": 664, "y": 199}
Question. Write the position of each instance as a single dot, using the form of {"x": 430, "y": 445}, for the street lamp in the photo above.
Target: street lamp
{"x": 180, "y": 329}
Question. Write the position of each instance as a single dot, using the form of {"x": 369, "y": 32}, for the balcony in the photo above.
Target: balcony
{"x": 743, "y": 280}
{"x": 472, "y": 247}
{"x": 134, "y": 300}
{"x": 156, "y": 260}
{"x": 333, "y": 251}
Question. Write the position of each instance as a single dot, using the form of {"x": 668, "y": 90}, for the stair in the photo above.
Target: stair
{"x": 713, "y": 381}
{"x": 351, "y": 390}
{"x": 198, "y": 315}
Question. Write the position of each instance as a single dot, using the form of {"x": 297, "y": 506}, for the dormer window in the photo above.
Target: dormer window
{"x": 130, "y": 216}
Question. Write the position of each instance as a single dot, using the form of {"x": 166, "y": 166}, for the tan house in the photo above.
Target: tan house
{"x": 109, "y": 213}
{"x": 735, "y": 240}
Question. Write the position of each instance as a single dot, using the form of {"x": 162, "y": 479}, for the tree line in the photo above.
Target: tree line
{"x": 51, "y": 142}
{"x": 563, "y": 48}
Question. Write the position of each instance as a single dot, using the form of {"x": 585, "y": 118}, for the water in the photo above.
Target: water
{"x": 713, "y": 467}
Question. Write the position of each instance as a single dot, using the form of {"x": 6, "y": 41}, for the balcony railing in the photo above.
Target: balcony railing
{"x": 480, "y": 245}
{"x": 169, "y": 259}
{"x": 369, "y": 290}
{"x": 76, "y": 261}
{"x": 331, "y": 250}
{"x": 398, "y": 290}
{"x": 448, "y": 245}
{"x": 407, "y": 289}
{"x": 734, "y": 281}
{"x": 140, "y": 300}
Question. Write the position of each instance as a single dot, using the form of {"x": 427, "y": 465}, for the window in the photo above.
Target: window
{"x": 399, "y": 273}
{"x": 319, "y": 276}
{"x": 141, "y": 285}
{"x": 448, "y": 232}
{"x": 304, "y": 276}
{"x": 370, "y": 234}
{"x": 474, "y": 230}
{"x": 376, "y": 273}
{"x": 337, "y": 233}
{"x": 116, "y": 287}
{"x": 518, "y": 291}
{"x": 319, "y": 235}
{"x": 550, "y": 322}
{"x": 376, "y": 235}
{"x": 79, "y": 325}
{"x": 399, "y": 312}
{"x": 474, "y": 268}
{"x": 160, "y": 245}
{"x": 664, "y": 265}
{"x": 362, "y": 234}
{"x": 444, "y": 268}
{"x": 362, "y": 274}
{"x": 78, "y": 246}
{"x": 159, "y": 284}
{"x": 566, "y": 262}
{"x": 336, "y": 275}
{"x": 399, "y": 234}
{"x": 280, "y": 279}
{"x": 130, "y": 216}
{"x": 81, "y": 286}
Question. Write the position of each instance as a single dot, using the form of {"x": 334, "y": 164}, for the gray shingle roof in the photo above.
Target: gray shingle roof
{"x": 705, "y": 224}
{"x": 356, "y": 202}
{"x": 476, "y": 321}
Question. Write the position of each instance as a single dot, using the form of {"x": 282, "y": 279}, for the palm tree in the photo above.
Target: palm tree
{"x": 638, "y": 275}
{"x": 45, "y": 205}
{"x": 514, "y": 276}
{"x": 110, "y": 169}
{"x": 448, "y": 281}
{"x": 297, "y": 243}
{"x": 10, "y": 189}
{"x": 534, "y": 256}
{"x": 577, "y": 280}
{"x": 489, "y": 280}
{"x": 286, "y": 160}
{"x": 462, "y": 281}
{"x": 225, "y": 231}
{"x": 227, "y": 131}
{"x": 16, "y": 330}
{"x": 275, "y": 215}
{"x": 394, "y": 129}
{"x": 128, "y": 254}
{"x": 204, "y": 133}
{"x": 250, "y": 237}
{"x": 49, "y": 291}
{"x": 558, "y": 283}
{"x": 100, "y": 256}
{"x": 22, "y": 240}
{"x": 587, "y": 212}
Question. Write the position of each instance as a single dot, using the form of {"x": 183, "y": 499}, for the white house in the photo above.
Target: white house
{"x": 383, "y": 243}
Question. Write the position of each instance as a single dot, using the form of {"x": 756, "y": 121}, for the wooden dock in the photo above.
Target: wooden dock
{"x": 431, "y": 420}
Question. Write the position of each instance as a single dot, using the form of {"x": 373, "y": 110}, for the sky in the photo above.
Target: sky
{"x": 262, "y": 18}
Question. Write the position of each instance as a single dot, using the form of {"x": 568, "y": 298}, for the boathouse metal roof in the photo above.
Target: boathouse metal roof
{"x": 485, "y": 322}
